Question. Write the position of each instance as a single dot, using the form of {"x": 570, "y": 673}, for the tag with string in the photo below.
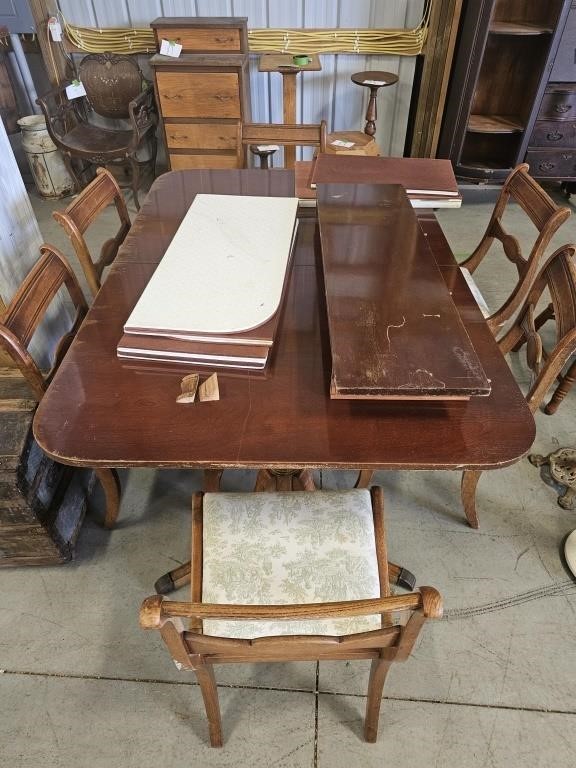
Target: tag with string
{"x": 75, "y": 90}
{"x": 170, "y": 48}
{"x": 55, "y": 29}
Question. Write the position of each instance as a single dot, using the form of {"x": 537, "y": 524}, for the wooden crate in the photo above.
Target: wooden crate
{"x": 42, "y": 503}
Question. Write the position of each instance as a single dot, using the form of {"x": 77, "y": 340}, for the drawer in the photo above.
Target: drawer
{"x": 182, "y": 162}
{"x": 202, "y": 40}
{"x": 554, "y": 134}
{"x": 202, "y": 94}
{"x": 201, "y": 135}
{"x": 558, "y": 104}
{"x": 549, "y": 163}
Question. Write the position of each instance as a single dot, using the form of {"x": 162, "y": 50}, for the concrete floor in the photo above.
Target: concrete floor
{"x": 492, "y": 684}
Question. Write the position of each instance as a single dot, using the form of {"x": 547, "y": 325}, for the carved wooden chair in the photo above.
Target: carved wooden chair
{"x": 558, "y": 275}
{"x": 263, "y": 135}
{"x": 115, "y": 89}
{"x": 304, "y": 577}
{"x": 547, "y": 218}
{"x": 21, "y": 318}
{"x": 81, "y": 213}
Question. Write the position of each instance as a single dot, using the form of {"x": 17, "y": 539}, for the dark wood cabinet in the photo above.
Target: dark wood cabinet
{"x": 505, "y": 53}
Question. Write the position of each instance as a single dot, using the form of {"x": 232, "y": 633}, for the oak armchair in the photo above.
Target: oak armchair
{"x": 304, "y": 576}
{"x": 115, "y": 89}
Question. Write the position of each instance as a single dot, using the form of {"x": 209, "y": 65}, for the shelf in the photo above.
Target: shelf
{"x": 494, "y": 124}
{"x": 515, "y": 28}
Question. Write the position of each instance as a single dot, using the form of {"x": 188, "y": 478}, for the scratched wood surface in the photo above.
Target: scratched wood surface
{"x": 394, "y": 329}
{"x": 101, "y": 411}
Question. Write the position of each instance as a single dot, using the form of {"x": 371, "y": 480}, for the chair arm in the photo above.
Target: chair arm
{"x": 143, "y": 115}
{"x": 157, "y": 609}
{"x": 58, "y": 110}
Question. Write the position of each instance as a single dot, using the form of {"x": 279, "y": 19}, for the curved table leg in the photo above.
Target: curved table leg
{"x": 468, "y": 485}
{"x": 110, "y": 483}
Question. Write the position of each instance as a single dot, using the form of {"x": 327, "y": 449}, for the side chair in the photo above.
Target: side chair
{"x": 21, "y": 318}
{"x": 82, "y": 212}
{"x": 291, "y": 576}
{"x": 546, "y": 216}
{"x": 558, "y": 276}
{"x": 286, "y": 135}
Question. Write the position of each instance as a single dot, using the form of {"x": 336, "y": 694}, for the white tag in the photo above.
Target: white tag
{"x": 170, "y": 48}
{"x": 55, "y": 29}
{"x": 340, "y": 143}
{"x": 75, "y": 90}
{"x": 267, "y": 147}
{"x": 374, "y": 82}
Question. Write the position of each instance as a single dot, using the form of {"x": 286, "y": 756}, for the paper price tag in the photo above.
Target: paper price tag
{"x": 374, "y": 82}
{"x": 340, "y": 143}
{"x": 55, "y": 29}
{"x": 75, "y": 90}
{"x": 267, "y": 147}
{"x": 170, "y": 48}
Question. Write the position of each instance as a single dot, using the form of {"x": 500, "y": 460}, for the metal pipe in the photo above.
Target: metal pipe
{"x": 29, "y": 86}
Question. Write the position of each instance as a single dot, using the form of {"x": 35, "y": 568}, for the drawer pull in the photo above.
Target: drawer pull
{"x": 546, "y": 166}
{"x": 224, "y": 39}
{"x": 554, "y": 136}
{"x": 561, "y": 109}
{"x": 222, "y": 97}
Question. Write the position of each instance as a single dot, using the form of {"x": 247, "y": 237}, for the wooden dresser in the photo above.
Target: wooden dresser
{"x": 204, "y": 93}
{"x": 552, "y": 148}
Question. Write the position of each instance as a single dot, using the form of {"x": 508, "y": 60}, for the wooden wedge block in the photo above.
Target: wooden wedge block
{"x": 189, "y": 386}
{"x": 208, "y": 390}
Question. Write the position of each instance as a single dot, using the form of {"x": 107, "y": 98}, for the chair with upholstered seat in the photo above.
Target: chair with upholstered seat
{"x": 82, "y": 212}
{"x": 290, "y": 576}
{"x": 558, "y": 276}
{"x": 269, "y": 134}
{"x": 546, "y": 216}
{"x": 115, "y": 90}
{"x": 50, "y": 274}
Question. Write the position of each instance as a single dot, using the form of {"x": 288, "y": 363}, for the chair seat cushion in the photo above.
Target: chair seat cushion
{"x": 95, "y": 140}
{"x": 476, "y": 292}
{"x": 284, "y": 548}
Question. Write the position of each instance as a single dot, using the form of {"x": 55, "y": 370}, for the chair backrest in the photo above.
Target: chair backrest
{"x": 558, "y": 276}
{"x": 82, "y": 212}
{"x": 26, "y": 310}
{"x": 546, "y": 216}
{"x": 111, "y": 82}
{"x": 286, "y": 135}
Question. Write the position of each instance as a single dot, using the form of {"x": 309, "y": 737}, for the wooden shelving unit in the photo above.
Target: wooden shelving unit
{"x": 505, "y": 52}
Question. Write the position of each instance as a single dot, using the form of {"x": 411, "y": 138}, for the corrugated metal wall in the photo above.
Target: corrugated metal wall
{"x": 328, "y": 94}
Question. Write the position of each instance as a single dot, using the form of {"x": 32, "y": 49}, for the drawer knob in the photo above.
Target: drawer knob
{"x": 562, "y": 108}
{"x": 546, "y": 166}
{"x": 554, "y": 136}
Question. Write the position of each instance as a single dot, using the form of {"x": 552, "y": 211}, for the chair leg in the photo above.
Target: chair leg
{"x": 468, "y": 485}
{"x": 378, "y": 671}
{"x": 566, "y": 384}
{"x": 134, "y": 165}
{"x": 110, "y": 483}
{"x": 207, "y": 683}
{"x": 71, "y": 171}
{"x": 364, "y": 478}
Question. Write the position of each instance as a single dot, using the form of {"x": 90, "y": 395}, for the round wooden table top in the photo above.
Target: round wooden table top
{"x": 374, "y": 79}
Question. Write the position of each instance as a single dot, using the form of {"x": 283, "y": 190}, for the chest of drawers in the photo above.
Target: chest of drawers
{"x": 203, "y": 94}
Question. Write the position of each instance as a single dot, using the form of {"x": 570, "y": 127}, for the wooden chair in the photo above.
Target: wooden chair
{"x": 21, "y": 318}
{"x": 304, "y": 577}
{"x": 544, "y": 214}
{"x": 309, "y": 135}
{"x": 116, "y": 90}
{"x": 558, "y": 275}
{"x": 82, "y": 212}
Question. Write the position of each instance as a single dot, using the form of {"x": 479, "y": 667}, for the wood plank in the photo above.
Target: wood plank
{"x": 394, "y": 329}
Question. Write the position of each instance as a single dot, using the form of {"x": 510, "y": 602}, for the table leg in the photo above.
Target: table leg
{"x": 371, "y": 114}
{"x": 110, "y": 483}
{"x": 289, "y": 112}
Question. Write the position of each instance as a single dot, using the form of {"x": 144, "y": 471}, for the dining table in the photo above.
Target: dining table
{"x": 101, "y": 411}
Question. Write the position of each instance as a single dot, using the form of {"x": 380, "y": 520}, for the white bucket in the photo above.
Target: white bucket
{"x": 46, "y": 163}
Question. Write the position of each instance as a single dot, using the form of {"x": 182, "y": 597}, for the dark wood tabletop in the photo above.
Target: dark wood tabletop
{"x": 100, "y": 411}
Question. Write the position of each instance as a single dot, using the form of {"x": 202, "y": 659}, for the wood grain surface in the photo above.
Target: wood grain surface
{"x": 101, "y": 411}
